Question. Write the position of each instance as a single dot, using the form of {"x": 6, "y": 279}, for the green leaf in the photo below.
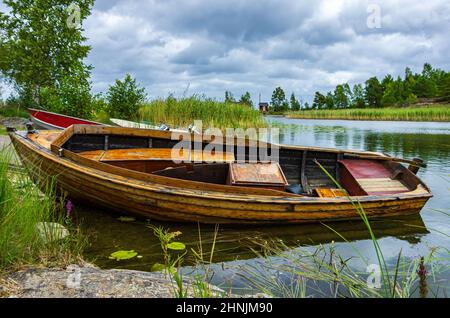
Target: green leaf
{"x": 158, "y": 267}
{"x": 122, "y": 255}
{"x": 176, "y": 246}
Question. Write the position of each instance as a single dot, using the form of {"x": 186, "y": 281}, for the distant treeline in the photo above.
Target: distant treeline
{"x": 432, "y": 85}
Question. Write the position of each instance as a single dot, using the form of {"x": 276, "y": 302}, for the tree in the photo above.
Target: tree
{"x": 319, "y": 101}
{"x": 426, "y": 85}
{"x": 295, "y": 104}
{"x": 278, "y": 101}
{"x": 390, "y": 96}
{"x": 444, "y": 87}
{"x": 45, "y": 53}
{"x": 246, "y": 99}
{"x": 229, "y": 98}
{"x": 373, "y": 92}
{"x": 124, "y": 98}
{"x": 358, "y": 100}
{"x": 340, "y": 97}
{"x": 329, "y": 101}
{"x": 386, "y": 81}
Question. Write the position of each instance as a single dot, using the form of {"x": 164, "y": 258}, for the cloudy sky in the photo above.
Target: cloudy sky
{"x": 209, "y": 46}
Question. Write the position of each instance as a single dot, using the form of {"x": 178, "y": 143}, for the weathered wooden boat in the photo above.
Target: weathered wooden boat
{"x": 48, "y": 120}
{"x": 133, "y": 124}
{"x": 132, "y": 170}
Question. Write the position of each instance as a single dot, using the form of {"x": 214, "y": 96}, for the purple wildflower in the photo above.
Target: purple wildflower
{"x": 69, "y": 207}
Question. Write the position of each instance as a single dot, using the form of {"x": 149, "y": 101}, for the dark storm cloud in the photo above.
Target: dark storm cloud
{"x": 256, "y": 45}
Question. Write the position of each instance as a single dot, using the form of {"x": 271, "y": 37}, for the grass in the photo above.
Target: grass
{"x": 3, "y": 130}
{"x": 23, "y": 207}
{"x": 414, "y": 113}
{"x": 183, "y": 111}
{"x": 12, "y": 111}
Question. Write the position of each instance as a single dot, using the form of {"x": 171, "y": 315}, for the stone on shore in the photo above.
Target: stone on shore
{"x": 89, "y": 281}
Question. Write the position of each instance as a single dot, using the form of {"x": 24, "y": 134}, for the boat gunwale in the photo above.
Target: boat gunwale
{"x": 62, "y": 115}
{"x": 79, "y": 164}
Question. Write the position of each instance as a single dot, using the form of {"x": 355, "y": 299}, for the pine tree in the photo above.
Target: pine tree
{"x": 278, "y": 101}
{"x": 295, "y": 104}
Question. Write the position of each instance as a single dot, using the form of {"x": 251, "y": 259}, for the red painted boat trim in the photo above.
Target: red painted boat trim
{"x": 58, "y": 120}
{"x": 353, "y": 170}
{"x": 363, "y": 169}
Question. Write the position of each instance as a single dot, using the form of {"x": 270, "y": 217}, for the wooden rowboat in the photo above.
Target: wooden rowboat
{"x": 131, "y": 171}
{"x": 48, "y": 120}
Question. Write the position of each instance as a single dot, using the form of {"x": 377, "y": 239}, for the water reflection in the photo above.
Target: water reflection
{"x": 109, "y": 234}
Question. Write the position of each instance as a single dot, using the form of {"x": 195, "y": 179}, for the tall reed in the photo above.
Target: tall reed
{"x": 432, "y": 113}
{"x": 183, "y": 111}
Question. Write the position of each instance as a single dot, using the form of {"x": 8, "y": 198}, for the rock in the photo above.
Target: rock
{"x": 17, "y": 122}
{"x": 89, "y": 281}
{"x": 50, "y": 231}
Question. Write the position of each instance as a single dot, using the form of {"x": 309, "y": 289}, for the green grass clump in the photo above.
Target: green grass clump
{"x": 13, "y": 111}
{"x": 22, "y": 207}
{"x": 183, "y": 111}
{"x": 415, "y": 113}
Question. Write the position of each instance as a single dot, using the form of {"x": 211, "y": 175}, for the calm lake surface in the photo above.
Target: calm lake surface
{"x": 234, "y": 260}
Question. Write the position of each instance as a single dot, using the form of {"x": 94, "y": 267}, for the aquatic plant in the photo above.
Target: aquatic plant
{"x": 198, "y": 284}
{"x": 123, "y": 255}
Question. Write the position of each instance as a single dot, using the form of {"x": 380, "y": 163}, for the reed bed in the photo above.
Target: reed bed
{"x": 431, "y": 113}
{"x": 183, "y": 111}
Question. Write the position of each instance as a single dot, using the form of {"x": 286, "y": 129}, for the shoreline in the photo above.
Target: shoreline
{"x": 364, "y": 119}
{"x": 431, "y": 113}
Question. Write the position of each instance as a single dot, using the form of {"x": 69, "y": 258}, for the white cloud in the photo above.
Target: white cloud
{"x": 257, "y": 45}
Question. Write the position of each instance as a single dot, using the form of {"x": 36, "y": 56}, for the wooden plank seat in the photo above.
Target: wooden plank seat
{"x": 267, "y": 175}
{"x": 330, "y": 192}
{"x": 369, "y": 177}
{"x": 164, "y": 154}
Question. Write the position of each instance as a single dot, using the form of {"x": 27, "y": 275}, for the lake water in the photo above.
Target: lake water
{"x": 415, "y": 236}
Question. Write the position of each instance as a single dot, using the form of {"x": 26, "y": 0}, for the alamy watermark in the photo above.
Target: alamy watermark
{"x": 74, "y": 19}
{"x": 374, "y": 278}
{"x": 232, "y": 144}
{"x": 374, "y": 18}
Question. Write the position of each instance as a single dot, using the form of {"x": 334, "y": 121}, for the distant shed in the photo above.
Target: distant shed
{"x": 264, "y": 107}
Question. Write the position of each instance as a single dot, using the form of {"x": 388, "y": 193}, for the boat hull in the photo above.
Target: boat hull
{"x": 48, "y": 120}
{"x": 151, "y": 200}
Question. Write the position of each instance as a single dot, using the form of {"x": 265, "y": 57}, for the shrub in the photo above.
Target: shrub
{"x": 124, "y": 98}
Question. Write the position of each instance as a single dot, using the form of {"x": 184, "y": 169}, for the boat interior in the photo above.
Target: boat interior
{"x": 299, "y": 170}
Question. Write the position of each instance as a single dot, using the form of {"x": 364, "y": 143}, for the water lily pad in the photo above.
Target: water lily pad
{"x": 176, "y": 246}
{"x": 126, "y": 219}
{"x": 122, "y": 255}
